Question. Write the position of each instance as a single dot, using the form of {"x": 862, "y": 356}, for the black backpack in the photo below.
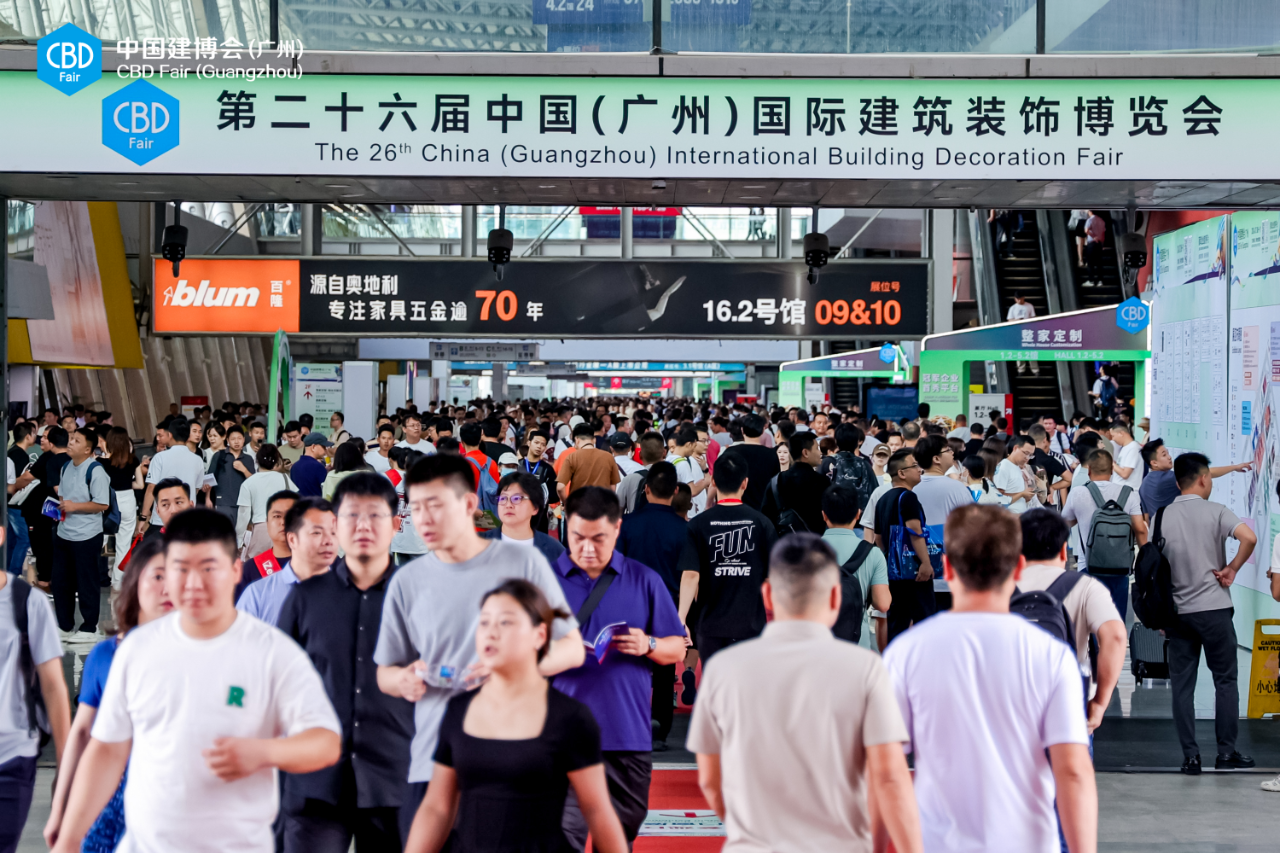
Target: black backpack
{"x": 849, "y": 623}
{"x": 789, "y": 521}
{"x": 1044, "y": 608}
{"x": 849, "y": 469}
{"x": 641, "y": 501}
{"x": 37, "y": 715}
{"x": 110, "y": 516}
{"x": 1153, "y": 583}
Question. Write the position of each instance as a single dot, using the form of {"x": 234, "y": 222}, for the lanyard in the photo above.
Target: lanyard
{"x": 534, "y": 469}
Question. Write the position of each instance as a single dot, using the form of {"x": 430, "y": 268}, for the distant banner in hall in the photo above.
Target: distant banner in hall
{"x": 549, "y": 299}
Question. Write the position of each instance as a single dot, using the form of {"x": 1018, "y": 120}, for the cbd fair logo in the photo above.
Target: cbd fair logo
{"x": 140, "y": 122}
{"x": 68, "y": 59}
{"x": 1133, "y": 315}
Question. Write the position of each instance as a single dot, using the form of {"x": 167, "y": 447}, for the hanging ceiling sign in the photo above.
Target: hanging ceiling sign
{"x": 545, "y": 298}
{"x": 663, "y": 127}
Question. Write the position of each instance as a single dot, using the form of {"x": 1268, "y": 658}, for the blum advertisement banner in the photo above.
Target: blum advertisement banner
{"x": 237, "y": 296}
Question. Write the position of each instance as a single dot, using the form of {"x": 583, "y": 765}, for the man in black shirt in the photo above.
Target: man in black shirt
{"x": 1057, "y": 475}
{"x": 724, "y": 563}
{"x": 800, "y": 487}
{"x": 48, "y": 470}
{"x": 913, "y": 600}
{"x": 540, "y": 467}
{"x": 335, "y": 616}
{"x": 655, "y": 536}
{"x": 24, "y": 435}
{"x": 490, "y": 430}
{"x": 975, "y": 442}
{"x": 762, "y": 462}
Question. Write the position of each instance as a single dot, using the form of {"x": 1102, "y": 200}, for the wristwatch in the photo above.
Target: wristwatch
{"x": 653, "y": 645}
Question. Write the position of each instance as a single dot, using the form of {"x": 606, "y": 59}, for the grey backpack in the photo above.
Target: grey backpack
{"x": 1109, "y": 550}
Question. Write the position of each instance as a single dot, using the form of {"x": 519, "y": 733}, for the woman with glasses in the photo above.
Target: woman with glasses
{"x": 519, "y": 501}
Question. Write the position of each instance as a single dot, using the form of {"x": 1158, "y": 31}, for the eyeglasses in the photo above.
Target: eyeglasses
{"x": 514, "y": 500}
{"x": 357, "y": 517}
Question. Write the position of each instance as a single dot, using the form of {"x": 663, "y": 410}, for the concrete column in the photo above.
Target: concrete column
{"x": 784, "y": 233}
{"x": 310, "y": 213}
{"x": 468, "y": 233}
{"x": 499, "y": 382}
{"x": 938, "y": 244}
{"x": 625, "y": 220}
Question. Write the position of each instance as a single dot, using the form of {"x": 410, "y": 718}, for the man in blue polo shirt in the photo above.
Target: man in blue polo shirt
{"x": 308, "y": 472}
{"x": 605, "y": 588}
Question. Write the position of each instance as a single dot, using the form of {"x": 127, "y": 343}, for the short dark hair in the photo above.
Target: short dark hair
{"x": 794, "y": 564}
{"x": 527, "y": 483}
{"x": 282, "y": 495}
{"x": 593, "y": 502}
{"x": 448, "y": 444}
{"x": 923, "y": 410}
{"x": 490, "y": 427}
{"x": 928, "y": 449}
{"x": 339, "y": 416}
{"x": 901, "y": 458}
{"x": 982, "y": 543}
{"x": 800, "y": 442}
{"x": 458, "y": 472}
{"x": 1188, "y": 468}
{"x": 849, "y": 437}
{"x": 653, "y": 448}
{"x": 470, "y": 434}
{"x": 752, "y": 426}
{"x": 1016, "y": 441}
{"x": 729, "y": 473}
{"x": 1150, "y": 448}
{"x": 57, "y": 436}
{"x": 170, "y": 483}
{"x": 686, "y": 434}
{"x": 180, "y": 430}
{"x": 22, "y": 430}
{"x": 366, "y": 484}
{"x": 976, "y": 429}
{"x": 258, "y": 425}
{"x": 293, "y": 518}
{"x": 584, "y": 430}
{"x": 198, "y": 525}
{"x": 386, "y": 428}
{"x": 662, "y": 479}
{"x": 1043, "y": 534}
{"x": 840, "y": 502}
{"x": 292, "y": 426}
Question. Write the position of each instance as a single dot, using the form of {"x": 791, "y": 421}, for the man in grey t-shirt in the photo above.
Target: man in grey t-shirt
{"x": 85, "y": 489}
{"x": 426, "y": 650}
{"x": 1195, "y": 532}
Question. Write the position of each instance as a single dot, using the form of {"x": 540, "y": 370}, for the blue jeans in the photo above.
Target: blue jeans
{"x": 19, "y": 541}
{"x": 1118, "y": 586}
{"x": 17, "y": 784}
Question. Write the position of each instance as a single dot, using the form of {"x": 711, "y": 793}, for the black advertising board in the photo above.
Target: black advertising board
{"x": 613, "y": 298}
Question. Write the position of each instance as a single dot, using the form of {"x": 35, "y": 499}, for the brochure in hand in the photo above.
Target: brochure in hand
{"x": 605, "y": 639}
{"x": 52, "y": 509}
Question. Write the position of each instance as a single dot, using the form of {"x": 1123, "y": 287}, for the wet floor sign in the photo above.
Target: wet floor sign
{"x": 1264, "y": 671}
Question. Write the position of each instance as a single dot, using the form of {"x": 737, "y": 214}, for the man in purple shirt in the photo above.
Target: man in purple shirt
{"x": 605, "y": 588}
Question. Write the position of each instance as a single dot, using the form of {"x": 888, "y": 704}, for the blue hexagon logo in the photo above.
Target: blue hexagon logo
{"x": 1133, "y": 315}
{"x": 68, "y": 59}
{"x": 140, "y": 122}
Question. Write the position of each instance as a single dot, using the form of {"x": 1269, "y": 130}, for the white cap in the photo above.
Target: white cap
{"x": 508, "y": 459}
{"x": 575, "y": 420}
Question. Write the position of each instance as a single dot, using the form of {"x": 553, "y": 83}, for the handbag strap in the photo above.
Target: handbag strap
{"x": 593, "y": 600}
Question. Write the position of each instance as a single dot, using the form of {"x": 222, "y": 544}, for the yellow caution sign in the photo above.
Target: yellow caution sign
{"x": 1264, "y": 671}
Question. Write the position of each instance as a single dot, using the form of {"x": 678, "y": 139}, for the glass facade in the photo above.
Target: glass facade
{"x": 742, "y": 26}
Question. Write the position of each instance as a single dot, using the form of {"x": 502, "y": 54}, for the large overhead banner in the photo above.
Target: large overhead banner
{"x": 558, "y": 299}
{"x": 650, "y": 127}
{"x": 1189, "y": 340}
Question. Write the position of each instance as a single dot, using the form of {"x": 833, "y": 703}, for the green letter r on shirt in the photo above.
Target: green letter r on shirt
{"x": 235, "y": 696}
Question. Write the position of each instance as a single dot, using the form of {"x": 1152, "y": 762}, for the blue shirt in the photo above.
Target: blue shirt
{"x": 96, "y": 667}
{"x": 655, "y": 536}
{"x": 1158, "y": 490}
{"x": 308, "y": 475}
{"x": 264, "y": 598}
{"x": 542, "y": 543}
{"x": 617, "y": 690}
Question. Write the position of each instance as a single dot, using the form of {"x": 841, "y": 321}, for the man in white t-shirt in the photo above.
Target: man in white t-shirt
{"x": 1081, "y": 506}
{"x": 1128, "y": 462}
{"x": 178, "y": 461}
{"x": 1009, "y": 479}
{"x": 1021, "y": 309}
{"x": 380, "y": 456}
{"x": 993, "y": 707}
{"x": 413, "y": 435}
{"x": 203, "y": 705}
{"x": 1088, "y": 603}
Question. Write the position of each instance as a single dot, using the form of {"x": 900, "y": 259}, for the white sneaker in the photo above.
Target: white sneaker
{"x": 1272, "y": 785}
{"x": 85, "y": 637}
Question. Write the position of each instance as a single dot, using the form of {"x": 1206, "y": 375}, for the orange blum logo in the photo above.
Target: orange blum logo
{"x": 239, "y": 296}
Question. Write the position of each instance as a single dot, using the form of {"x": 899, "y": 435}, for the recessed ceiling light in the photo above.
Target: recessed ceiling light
{"x": 546, "y": 186}
{"x": 338, "y": 186}
{"x": 352, "y": 195}
{"x": 128, "y": 183}
{"x": 754, "y": 187}
{"x": 745, "y": 197}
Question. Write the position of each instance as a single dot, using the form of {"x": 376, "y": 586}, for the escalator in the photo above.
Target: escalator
{"x": 1020, "y": 272}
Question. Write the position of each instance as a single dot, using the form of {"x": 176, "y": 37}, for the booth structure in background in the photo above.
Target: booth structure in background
{"x": 794, "y": 376}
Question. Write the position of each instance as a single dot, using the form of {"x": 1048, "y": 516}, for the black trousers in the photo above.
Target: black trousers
{"x": 913, "y": 601}
{"x": 17, "y": 784}
{"x": 75, "y": 572}
{"x": 320, "y": 827}
{"x": 708, "y": 646}
{"x": 662, "y": 706}
{"x": 42, "y": 534}
{"x": 629, "y": 774}
{"x": 1213, "y": 631}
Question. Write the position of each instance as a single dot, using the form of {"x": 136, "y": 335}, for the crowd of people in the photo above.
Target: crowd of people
{"x": 469, "y": 631}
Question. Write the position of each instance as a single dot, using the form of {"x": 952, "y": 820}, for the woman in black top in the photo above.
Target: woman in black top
{"x": 508, "y": 752}
{"x": 122, "y": 467}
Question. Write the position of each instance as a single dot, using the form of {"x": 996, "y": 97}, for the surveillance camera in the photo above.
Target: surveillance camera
{"x": 501, "y": 241}
{"x": 173, "y": 246}
{"x": 817, "y": 249}
{"x": 1133, "y": 248}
